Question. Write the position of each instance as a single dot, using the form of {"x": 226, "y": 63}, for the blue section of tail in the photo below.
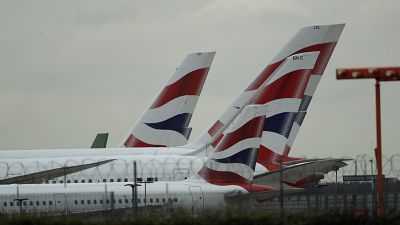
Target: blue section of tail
{"x": 247, "y": 156}
{"x": 178, "y": 123}
{"x": 280, "y": 123}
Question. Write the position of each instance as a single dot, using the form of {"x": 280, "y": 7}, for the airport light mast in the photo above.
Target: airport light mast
{"x": 379, "y": 74}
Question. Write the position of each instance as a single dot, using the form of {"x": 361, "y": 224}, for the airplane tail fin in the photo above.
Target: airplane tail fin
{"x": 166, "y": 122}
{"x": 100, "y": 141}
{"x": 234, "y": 159}
{"x": 289, "y": 91}
{"x": 319, "y": 39}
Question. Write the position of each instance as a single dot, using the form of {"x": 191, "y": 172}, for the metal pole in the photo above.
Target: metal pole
{"x": 112, "y": 200}
{"x": 281, "y": 186}
{"x": 133, "y": 200}
{"x": 65, "y": 176}
{"x": 145, "y": 194}
{"x": 336, "y": 191}
{"x": 378, "y": 152}
{"x": 373, "y": 199}
{"x": 355, "y": 167}
{"x": 19, "y": 202}
{"x": 335, "y": 168}
{"x": 135, "y": 186}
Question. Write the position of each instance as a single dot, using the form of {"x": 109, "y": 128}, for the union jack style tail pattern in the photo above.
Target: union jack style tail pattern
{"x": 234, "y": 159}
{"x": 318, "y": 39}
{"x": 288, "y": 91}
{"x": 166, "y": 122}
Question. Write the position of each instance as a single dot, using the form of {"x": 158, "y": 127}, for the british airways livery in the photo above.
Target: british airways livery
{"x": 166, "y": 121}
{"x": 224, "y": 179}
{"x": 284, "y": 88}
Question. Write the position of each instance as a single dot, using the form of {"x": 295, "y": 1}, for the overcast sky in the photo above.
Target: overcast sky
{"x": 71, "y": 69}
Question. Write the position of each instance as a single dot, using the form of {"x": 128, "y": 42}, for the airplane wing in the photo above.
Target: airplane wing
{"x": 302, "y": 160}
{"x": 294, "y": 173}
{"x": 100, "y": 141}
{"x": 39, "y": 177}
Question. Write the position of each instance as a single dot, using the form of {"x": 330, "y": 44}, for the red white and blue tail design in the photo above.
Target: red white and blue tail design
{"x": 318, "y": 39}
{"x": 234, "y": 159}
{"x": 289, "y": 90}
{"x": 166, "y": 122}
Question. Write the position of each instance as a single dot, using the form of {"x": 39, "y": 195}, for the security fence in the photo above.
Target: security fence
{"x": 352, "y": 198}
{"x": 121, "y": 170}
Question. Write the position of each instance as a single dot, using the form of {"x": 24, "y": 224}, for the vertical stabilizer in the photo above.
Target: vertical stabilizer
{"x": 166, "y": 121}
{"x": 289, "y": 91}
{"x": 100, "y": 141}
{"x": 234, "y": 159}
{"x": 319, "y": 39}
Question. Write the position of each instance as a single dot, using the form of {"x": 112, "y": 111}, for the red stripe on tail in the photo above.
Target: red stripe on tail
{"x": 135, "y": 142}
{"x": 268, "y": 156}
{"x": 190, "y": 84}
{"x": 216, "y": 142}
{"x": 215, "y": 128}
{"x": 248, "y": 130}
{"x": 325, "y": 50}
{"x": 291, "y": 85}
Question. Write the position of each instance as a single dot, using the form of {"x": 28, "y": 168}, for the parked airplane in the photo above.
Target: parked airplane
{"x": 224, "y": 179}
{"x": 283, "y": 87}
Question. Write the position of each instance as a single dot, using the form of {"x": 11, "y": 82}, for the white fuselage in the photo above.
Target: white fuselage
{"x": 80, "y": 198}
{"x": 163, "y": 164}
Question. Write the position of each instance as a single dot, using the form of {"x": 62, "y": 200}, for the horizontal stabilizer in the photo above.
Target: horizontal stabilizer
{"x": 295, "y": 173}
{"x": 39, "y": 177}
{"x": 238, "y": 197}
{"x": 303, "y": 160}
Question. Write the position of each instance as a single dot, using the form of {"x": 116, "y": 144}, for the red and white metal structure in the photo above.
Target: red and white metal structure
{"x": 379, "y": 74}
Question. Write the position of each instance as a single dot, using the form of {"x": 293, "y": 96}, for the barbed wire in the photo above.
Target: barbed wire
{"x": 366, "y": 165}
{"x": 122, "y": 169}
